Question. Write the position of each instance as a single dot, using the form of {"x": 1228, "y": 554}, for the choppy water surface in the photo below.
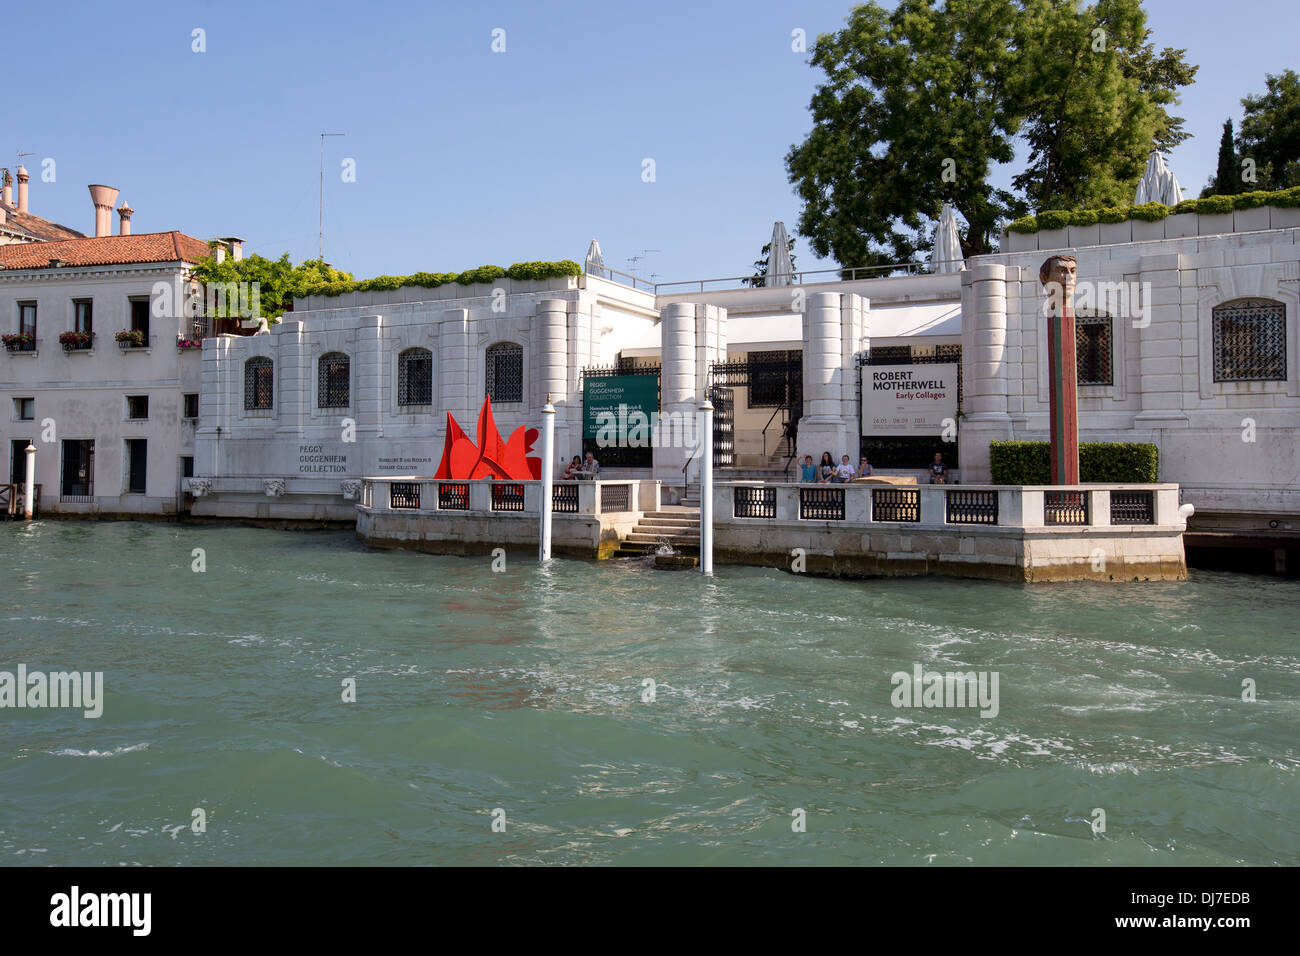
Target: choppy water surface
{"x": 523, "y": 691}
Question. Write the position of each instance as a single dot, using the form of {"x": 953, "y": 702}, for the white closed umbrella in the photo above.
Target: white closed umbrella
{"x": 595, "y": 261}
{"x": 946, "y": 255}
{"x": 1158, "y": 183}
{"x": 780, "y": 270}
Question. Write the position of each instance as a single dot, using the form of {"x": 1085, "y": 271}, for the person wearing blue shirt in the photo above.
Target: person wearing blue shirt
{"x": 807, "y": 470}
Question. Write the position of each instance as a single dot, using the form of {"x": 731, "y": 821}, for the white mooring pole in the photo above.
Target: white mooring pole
{"x": 29, "y": 490}
{"x": 706, "y": 488}
{"x": 548, "y": 478}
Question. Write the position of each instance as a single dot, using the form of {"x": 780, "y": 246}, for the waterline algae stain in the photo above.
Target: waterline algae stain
{"x": 504, "y": 717}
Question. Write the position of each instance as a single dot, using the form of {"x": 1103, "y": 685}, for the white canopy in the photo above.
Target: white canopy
{"x": 595, "y": 261}
{"x": 946, "y": 255}
{"x": 1158, "y": 183}
{"x": 780, "y": 270}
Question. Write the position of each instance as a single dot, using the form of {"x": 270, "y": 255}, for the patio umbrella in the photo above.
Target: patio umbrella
{"x": 780, "y": 270}
{"x": 946, "y": 255}
{"x": 1158, "y": 183}
{"x": 595, "y": 261}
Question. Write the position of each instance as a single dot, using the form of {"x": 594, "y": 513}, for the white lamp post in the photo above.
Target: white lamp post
{"x": 548, "y": 478}
{"x": 29, "y": 495}
{"x": 706, "y": 487}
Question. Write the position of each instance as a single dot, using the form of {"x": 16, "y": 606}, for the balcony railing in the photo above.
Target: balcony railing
{"x": 428, "y": 495}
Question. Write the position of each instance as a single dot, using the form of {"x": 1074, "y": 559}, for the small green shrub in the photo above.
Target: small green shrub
{"x": 1149, "y": 211}
{"x": 1215, "y": 205}
{"x": 1030, "y": 463}
{"x": 1084, "y": 217}
{"x": 1187, "y": 205}
{"x": 1054, "y": 219}
{"x": 1026, "y": 224}
{"x": 1112, "y": 214}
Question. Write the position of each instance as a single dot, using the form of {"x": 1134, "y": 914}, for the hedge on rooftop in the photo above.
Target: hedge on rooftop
{"x": 431, "y": 280}
{"x": 1154, "y": 211}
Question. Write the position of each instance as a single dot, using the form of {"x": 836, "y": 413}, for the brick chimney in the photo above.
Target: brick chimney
{"x": 22, "y": 188}
{"x": 103, "y": 197}
{"x": 124, "y": 214}
{"x": 8, "y": 188}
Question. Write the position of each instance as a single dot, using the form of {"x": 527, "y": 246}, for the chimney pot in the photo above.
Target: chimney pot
{"x": 8, "y": 188}
{"x": 22, "y": 188}
{"x": 235, "y": 245}
{"x": 103, "y": 197}
{"x": 124, "y": 213}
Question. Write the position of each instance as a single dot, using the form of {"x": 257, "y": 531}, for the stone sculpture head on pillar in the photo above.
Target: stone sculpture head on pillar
{"x": 1057, "y": 275}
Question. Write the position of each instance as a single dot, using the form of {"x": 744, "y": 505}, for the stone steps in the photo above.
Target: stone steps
{"x": 680, "y": 528}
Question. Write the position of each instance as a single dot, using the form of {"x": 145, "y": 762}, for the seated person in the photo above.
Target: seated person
{"x": 572, "y": 468}
{"x": 938, "y": 470}
{"x": 865, "y": 469}
{"x": 843, "y": 471}
{"x": 807, "y": 470}
{"x": 590, "y": 467}
{"x": 826, "y": 469}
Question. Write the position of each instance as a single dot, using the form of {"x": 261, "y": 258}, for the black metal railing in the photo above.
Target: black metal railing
{"x": 453, "y": 496}
{"x": 1065, "y": 507}
{"x": 895, "y": 504}
{"x": 615, "y": 497}
{"x": 564, "y": 498}
{"x": 821, "y": 504}
{"x": 972, "y": 507}
{"x": 507, "y": 497}
{"x": 753, "y": 502}
{"x": 404, "y": 494}
{"x": 1132, "y": 507}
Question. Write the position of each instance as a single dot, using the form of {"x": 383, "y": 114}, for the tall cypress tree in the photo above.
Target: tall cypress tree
{"x": 1227, "y": 178}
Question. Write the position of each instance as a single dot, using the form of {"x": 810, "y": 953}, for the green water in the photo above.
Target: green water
{"x": 522, "y": 691}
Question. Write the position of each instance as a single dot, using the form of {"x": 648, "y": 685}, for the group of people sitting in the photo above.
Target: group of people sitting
{"x": 577, "y": 468}
{"x": 829, "y": 472}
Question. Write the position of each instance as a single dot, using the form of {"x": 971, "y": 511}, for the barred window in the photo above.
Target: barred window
{"x": 258, "y": 378}
{"x": 505, "y": 372}
{"x": 771, "y": 377}
{"x": 333, "y": 373}
{"x": 1250, "y": 341}
{"x": 415, "y": 377}
{"x": 1093, "y": 349}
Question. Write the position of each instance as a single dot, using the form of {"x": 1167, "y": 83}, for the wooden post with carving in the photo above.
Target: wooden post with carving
{"x": 1057, "y": 276}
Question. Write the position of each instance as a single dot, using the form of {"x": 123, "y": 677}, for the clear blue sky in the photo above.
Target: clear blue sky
{"x": 466, "y": 157}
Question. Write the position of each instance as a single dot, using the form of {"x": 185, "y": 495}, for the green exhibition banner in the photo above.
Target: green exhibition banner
{"x": 617, "y": 404}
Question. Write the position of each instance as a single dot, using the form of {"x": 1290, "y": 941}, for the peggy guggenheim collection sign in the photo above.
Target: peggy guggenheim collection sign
{"x": 627, "y": 403}
{"x": 908, "y": 399}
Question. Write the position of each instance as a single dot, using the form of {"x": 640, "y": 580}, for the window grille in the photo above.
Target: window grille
{"x": 415, "y": 377}
{"x": 1250, "y": 341}
{"x": 505, "y": 373}
{"x": 332, "y": 381}
{"x": 258, "y": 378}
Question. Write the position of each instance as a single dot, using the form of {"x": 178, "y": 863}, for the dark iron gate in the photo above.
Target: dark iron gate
{"x": 773, "y": 380}
{"x": 724, "y": 426}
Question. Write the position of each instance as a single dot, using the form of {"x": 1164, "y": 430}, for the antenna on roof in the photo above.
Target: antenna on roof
{"x": 320, "y": 249}
{"x": 21, "y": 154}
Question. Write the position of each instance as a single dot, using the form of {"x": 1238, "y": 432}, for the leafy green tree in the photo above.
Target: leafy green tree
{"x": 1227, "y": 175}
{"x": 1270, "y": 133}
{"x": 278, "y": 280}
{"x": 921, "y": 103}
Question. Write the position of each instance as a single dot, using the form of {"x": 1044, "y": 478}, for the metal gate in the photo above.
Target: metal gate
{"x": 724, "y": 426}
{"x": 774, "y": 380}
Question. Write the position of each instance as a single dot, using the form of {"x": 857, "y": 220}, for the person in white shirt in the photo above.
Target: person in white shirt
{"x": 843, "y": 471}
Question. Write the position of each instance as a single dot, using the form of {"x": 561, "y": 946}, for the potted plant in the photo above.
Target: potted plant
{"x": 130, "y": 338}
{"x": 19, "y": 341}
{"x": 72, "y": 341}
{"x": 183, "y": 343}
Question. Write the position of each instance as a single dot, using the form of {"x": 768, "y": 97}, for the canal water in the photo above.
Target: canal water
{"x": 521, "y": 698}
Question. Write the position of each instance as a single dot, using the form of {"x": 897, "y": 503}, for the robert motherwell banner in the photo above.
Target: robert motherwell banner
{"x": 908, "y": 399}
{"x": 618, "y": 398}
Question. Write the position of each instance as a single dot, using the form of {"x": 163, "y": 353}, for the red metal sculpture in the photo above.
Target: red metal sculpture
{"x": 463, "y": 460}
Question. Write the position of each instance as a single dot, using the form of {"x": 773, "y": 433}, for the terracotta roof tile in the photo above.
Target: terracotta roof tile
{"x": 35, "y": 227}
{"x": 106, "y": 250}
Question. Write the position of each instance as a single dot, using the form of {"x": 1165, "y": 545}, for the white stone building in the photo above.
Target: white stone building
{"x": 113, "y": 423}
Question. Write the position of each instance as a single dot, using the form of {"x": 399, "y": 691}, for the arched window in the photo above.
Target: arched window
{"x": 1094, "y": 338}
{"x": 259, "y": 373}
{"x": 332, "y": 375}
{"x": 1250, "y": 341}
{"x": 505, "y": 372}
{"x": 415, "y": 377}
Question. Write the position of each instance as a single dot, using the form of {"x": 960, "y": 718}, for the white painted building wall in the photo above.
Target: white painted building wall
{"x": 82, "y": 394}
